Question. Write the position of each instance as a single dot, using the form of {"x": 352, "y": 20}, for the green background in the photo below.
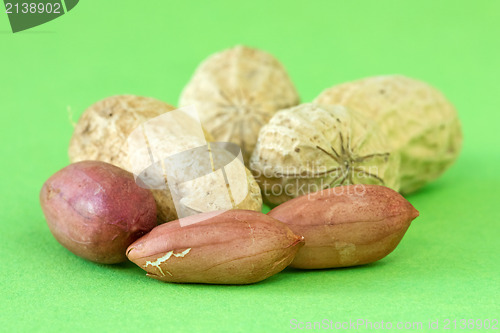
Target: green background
{"x": 446, "y": 267}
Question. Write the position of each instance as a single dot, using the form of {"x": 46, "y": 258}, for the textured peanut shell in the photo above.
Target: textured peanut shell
{"x": 102, "y": 130}
{"x": 235, "y": 247}
{"x": 101, "y": 134}
{"x": 236, "y": 92}
{"x": 346, "y": 225}
{"x": 204, "y": 192}
{"x": 96, "y": 210}
{"x": 311, "y": 147}
{"x": 420, "y": 123}
{"x": 197, "y": 200}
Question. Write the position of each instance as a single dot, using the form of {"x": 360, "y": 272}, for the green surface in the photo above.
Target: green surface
{"x": 447, "y": 266}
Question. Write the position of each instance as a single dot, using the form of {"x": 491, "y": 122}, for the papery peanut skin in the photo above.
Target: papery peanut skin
{"x": 96, "y": 210}
{"x": 232, "y": 247}
{"x": 346, "y": 225}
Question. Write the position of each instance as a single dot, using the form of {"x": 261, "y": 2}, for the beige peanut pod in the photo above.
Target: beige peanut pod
{"x": 232, "y": 247}
{"x": 208, "y": 178}
{"x": 418, "y": 120}
{"x": 346, "y": 225}
{"x": 311, "y": 147}
{"x": 102, "y": 130}
{"x": 236, "y": 92}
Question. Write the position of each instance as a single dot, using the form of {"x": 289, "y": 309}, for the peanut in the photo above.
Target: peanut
{"x": 232, "y": 247}
{"x": 96, "y": 210}
{"x": 346, "y": 225}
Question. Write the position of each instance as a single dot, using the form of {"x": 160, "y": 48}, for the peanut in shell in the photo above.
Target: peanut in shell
{"x": 236, "y": 92}
{"x": 419, "y": 122}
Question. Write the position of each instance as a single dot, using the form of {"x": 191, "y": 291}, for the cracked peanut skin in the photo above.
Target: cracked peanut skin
{"x": 420, "y": 123}
{"x": 236, "y": 92}
{"x": 311, "y": 147}
{"x": 346, "y": 225}
{"x": 231, "y": 247}
{"x": 96, "y": 210}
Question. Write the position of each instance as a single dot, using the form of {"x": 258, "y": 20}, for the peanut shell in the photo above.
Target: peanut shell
{"x": 311, "y": 147}
{"x": 102, "y": 130}
{"x": 419, "y": 122}
{"x": 236, "y": 92}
